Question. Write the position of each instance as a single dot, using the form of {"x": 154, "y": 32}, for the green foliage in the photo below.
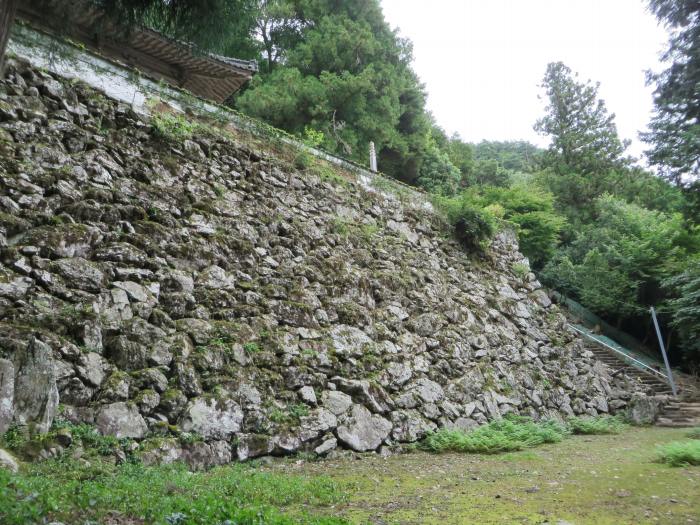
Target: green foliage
{"x": 303, "y": 160}
{"x": 516, "y": 433}
{"x": 461, "y": 155}
{"x": 512, "y": 156}
{"x": 679, "y": 453}
{"x": 346, "y": 75}
{"x": 61, "y": 489}
{"x": 289, "y": 415}
{"x": 222, "y": 26}
{"x": 596, "y": 425}
{"x": 340, "y": 226}
{"x": 583, "y": 133}
{"x": 473, "y": 227}
{"x": 529, "y": 209}
{"x": 487, "y": 173}
{"x": 252, "y": 347}
{"x": 617, "y": 261}
{"x": 684, "y": 307}
{"x": 674, "y": 129}
{"x": 89, "y": 437}
{"x": 172, "y": 127}
{"x": 298, "y": 411}
{"x": 312, "y": 137}
{"x": 13, "y": 438}
{"x": 520, "y": 269}
{"x": 188, "y": 438}
{"x": 505, "y": 435}
{"x": 437, "y": 173}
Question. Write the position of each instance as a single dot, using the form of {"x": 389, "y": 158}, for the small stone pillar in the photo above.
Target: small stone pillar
{"x": 372, "y": 157}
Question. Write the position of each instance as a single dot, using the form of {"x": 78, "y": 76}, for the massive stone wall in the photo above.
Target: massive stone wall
{"x": 198, "y": 289}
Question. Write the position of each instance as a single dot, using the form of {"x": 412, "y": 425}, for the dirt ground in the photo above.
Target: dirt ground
{"x": 582, "y": 480}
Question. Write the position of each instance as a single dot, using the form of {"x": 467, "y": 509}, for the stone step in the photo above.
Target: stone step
{"x": 680, "y": 423}
{"x": 681, "y": 412}
{"x": 693, "y": 406}
{"x": 618, "y": 365}
{"x": 680, "y": 415}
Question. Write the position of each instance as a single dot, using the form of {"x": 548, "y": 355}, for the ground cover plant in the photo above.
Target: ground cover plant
{"x": 76, "y": 491}
{"x": 680, "y": 453}
{"x": 596, "y": 425}
{"x": 517, "y": 433}
{"x": 505, "y": 435}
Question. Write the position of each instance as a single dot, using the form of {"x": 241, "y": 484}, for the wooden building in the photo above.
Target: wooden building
{"x": 207, "y": 75}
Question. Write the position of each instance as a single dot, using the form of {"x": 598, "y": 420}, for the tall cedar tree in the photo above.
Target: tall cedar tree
{"x": 584, "y": 136}
{"x": 675, "y": 127}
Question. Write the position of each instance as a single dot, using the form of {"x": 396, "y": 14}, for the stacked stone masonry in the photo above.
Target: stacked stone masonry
{"x": 162, "y": 289}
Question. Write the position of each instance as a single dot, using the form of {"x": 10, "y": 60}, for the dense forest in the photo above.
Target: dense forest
{"x": 596, "y": 225}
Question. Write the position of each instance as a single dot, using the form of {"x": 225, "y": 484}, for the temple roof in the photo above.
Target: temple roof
{"x": 207, "y": 75}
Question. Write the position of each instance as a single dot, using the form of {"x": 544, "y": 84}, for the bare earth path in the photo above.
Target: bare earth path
{"x": 583, "y": 480}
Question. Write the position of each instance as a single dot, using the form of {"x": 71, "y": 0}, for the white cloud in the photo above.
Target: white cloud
{"x": 482, "y": 60}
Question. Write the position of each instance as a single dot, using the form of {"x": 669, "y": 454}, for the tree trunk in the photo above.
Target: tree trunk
{"x": 8, "y": 10}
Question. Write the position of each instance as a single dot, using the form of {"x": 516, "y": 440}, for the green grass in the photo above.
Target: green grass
{"x": 517, "y": 433}
{"x": 680, "y": 453}
{"x": 506, "y": 435}
{"x": 172, "y": 127}
{"x": 596, "y": 425}
{"x": 583, "y": 479}
{"x": 72, "y": 491}
{"x": 694, "y": 433}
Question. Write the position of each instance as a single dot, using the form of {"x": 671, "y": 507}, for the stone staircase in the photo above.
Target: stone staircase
{"x": 654, "y": 385}
{"x": 680, "y": 413}
{"x": 683, "y": 411}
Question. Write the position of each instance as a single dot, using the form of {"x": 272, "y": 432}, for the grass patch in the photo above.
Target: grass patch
{"x": 679, "y": 453}
{"x": 506, "y": 435}
{"x": 67, "y": 490}
{"x": 694, "y": 433}
{"x": 514, "y": 433}
{"x": 596, "y": 425}
{"x": 172, "y": 127}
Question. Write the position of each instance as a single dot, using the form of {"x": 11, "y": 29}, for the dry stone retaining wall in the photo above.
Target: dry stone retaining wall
{"x": 196, "y": 292}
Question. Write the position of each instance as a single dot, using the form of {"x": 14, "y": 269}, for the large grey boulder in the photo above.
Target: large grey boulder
{"x": 201, "y": 456}
{"x": 91, "y": 368}
{"x": 253, "y": 446}
{"x": 121, "y": 420}
{"x": 428, "y": 391}
{"x": 349, "y": 341}
{"x": 368, "y": 393}
{"x": 425, "y": 325}
{"x": 215, "y": 277}
{"x": 212, "y": 418}
{"x": 335, "y": 401}
{"x": 410, "y": 425}
{"x": 160, "y": 451}
{"x": 7, "y": 394}
{"x": 643, "y": 410}
{"x": 36, "y": 393}
{"x": 364, "y": 430}
{"x": 79, "y": 273}
{"x": 317, "y": 423}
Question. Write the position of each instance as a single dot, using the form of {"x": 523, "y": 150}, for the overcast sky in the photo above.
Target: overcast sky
{"x": 482, "y": 60}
